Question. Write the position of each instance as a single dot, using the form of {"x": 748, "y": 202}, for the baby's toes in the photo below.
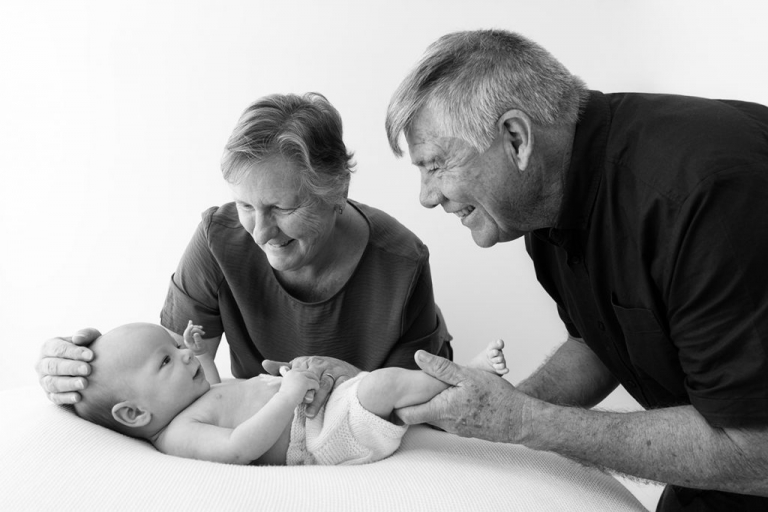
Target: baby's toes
{"x": 496, "y": 344}
{"x": 501, "y": 369}
{"x": 499, "y": 362}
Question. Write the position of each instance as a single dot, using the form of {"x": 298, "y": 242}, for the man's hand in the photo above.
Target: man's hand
{"x": 63, "y": 365}
{"x": 330, "y": 373}
{"x": 477, "y": 403}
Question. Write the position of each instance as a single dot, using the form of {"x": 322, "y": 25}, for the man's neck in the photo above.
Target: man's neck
{"x": 556, "y": 160}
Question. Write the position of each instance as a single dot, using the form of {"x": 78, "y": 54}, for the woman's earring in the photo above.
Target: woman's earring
{"x": 340, "y": 208}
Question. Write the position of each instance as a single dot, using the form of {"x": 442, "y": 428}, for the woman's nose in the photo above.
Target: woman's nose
{"x": 264, "y": 228}
{"x": 429, "y": 194}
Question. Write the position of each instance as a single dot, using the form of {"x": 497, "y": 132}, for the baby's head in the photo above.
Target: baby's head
{"x": 140, "y": 380}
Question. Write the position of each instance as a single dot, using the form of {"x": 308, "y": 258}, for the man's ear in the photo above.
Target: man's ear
{"x": 130, "y": 414}
{"x": 517, "y": 136}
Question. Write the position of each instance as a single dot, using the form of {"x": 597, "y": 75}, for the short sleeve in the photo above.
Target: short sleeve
{"x": 569, "y": 325}
{"x": 193, "y": 288}
{"x": 718, "y": 298}
{"x": 424, "y": 326}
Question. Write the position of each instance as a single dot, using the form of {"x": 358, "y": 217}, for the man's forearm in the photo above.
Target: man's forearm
{"x": 572, "y": 376}
{"x": 674, "y": 445}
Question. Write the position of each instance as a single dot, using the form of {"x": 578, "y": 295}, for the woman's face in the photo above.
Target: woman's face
{"x": 292, "y": 230}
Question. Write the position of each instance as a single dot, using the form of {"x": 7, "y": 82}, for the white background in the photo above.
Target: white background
{"x": 113, "y": 116}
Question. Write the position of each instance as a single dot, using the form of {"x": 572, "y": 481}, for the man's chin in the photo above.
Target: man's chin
{"x": 484, "y": 240}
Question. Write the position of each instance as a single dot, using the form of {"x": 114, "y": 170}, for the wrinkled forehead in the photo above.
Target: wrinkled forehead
{"x": 439, "y": 150}
{"x": 268, "y": 182}
{"x": 430, "y": 136}
{"x": 428, "y": 122}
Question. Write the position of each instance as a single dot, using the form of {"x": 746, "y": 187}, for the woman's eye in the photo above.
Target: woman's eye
{"x": 245, "y": 207}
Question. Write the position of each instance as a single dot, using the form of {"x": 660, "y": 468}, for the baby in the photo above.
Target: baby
{"x": 143, "y": 384}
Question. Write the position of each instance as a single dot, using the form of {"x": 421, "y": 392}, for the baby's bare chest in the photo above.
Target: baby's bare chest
{"x": 229, "y": 404}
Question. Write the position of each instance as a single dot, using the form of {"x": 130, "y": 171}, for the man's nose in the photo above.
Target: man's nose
{"x": 429, "y": 195}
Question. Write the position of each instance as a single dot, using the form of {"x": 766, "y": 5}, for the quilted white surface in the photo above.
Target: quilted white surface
{"x": 52, "y": 460}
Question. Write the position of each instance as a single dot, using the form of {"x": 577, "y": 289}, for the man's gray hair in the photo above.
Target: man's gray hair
{"x": 472, "y": 78}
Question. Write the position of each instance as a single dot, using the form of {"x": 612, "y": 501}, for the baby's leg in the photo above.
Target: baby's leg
{"x": 491, "y": 359}
{"x": 387, "y": 389}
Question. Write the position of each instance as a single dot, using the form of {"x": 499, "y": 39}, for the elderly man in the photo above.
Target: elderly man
{"x": 646, "y": 217}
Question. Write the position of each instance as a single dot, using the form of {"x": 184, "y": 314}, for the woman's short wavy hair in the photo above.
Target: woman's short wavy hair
{"x": 472, "y": 78}
{"x": 306, "y": 131}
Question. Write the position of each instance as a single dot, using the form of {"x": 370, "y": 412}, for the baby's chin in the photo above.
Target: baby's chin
{"x": 200, "y": 391}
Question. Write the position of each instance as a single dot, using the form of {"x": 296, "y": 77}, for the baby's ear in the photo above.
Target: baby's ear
{"x": 130, "y": 414}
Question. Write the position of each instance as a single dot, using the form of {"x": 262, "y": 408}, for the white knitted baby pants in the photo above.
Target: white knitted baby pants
{"x": 342, "y": 432}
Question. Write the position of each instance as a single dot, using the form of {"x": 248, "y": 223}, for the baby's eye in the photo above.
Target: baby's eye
{"x": 166, "y": 360}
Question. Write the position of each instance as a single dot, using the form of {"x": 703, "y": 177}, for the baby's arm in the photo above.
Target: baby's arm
{"x": 204, "y": 350}
{"x": 249, "y": 440}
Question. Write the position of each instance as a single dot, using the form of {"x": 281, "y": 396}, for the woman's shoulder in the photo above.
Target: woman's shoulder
{"x": 224, "y": 216}
{"x": 222, "y": 231}
{"x": 390, "y": 235}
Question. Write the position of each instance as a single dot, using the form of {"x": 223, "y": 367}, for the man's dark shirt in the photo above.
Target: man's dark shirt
{"x": 659, "y": 257}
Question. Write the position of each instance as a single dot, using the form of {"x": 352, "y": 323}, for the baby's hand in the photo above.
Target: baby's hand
{"x": 298, "y": 385}
{"x": 193, "y": 339}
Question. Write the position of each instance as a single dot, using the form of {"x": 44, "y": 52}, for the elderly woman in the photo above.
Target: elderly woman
{"x": 292, "y": 267}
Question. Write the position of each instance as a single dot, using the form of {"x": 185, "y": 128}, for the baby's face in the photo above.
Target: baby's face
{"x": 155, "y": 372}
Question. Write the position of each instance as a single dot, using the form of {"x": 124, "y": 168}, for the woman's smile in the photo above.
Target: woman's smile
{"x": 280, "y": 245}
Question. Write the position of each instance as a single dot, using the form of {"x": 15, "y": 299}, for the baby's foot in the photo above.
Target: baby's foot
{"x": 491, "y": 359}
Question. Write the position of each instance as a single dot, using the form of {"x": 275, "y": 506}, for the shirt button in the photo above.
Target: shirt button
{"x": 576, "y": 260}
{"x": 601, "y": 326}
